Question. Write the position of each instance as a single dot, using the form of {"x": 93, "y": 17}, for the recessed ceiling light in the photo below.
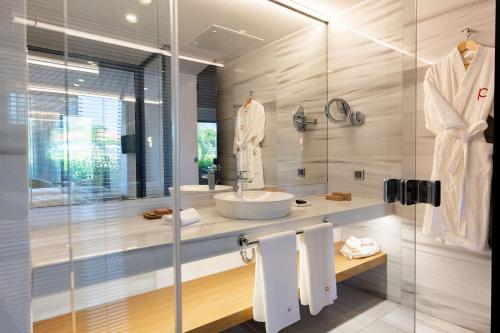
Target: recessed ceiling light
{"x": 145, "y": 2}
{"x": 81, "y": 80}
{"x": 214, "y": 30}
{"x": 131, "y": 18}
{"x": 76, "y": 84}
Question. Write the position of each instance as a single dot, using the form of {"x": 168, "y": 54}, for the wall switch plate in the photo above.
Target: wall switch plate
{"x": 359, "y": 175}
{"x": 301, "y": 172}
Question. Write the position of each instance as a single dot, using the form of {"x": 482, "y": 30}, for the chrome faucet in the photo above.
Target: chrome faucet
{"x": 238, "y": 179}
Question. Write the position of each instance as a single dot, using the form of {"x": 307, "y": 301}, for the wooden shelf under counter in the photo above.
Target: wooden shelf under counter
{"x": 210, "y": 304}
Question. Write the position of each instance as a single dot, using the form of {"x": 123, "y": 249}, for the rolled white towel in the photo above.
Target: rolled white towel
{"x": 188, "y": 216}
{"x": 359, "y": 247}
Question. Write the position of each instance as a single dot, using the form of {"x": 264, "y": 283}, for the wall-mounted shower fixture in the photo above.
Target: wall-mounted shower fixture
{"x": 338, "y": 111}
{"x": 300, "y": 120}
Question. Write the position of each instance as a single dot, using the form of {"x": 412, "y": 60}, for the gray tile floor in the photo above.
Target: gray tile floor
{"x": 358, "y": 311}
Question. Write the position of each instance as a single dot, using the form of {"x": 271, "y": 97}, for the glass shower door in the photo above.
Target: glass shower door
{"x": 372, "y": 65}
{"x": 232, "y": 65}
{"x": 130, "y": 135}
{"x": 118, "y": 287}
{"x": 101, "y": 161}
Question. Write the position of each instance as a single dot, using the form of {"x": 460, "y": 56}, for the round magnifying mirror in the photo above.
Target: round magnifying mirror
{"x": 357, "y": 118}
{"x": 337, "y": 110}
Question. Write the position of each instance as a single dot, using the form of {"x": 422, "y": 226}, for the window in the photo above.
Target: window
{"x": 76, "y": 134}
{"x": 80, "y": 151}
{"x": 207, "y": 146}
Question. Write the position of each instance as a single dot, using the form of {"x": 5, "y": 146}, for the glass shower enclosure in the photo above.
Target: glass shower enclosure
{"x": 131, "y": 117}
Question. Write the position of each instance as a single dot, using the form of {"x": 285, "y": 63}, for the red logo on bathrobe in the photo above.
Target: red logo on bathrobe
{"x": 482, "y": 93}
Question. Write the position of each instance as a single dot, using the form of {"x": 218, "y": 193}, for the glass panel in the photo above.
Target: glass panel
{"x": 100, "y": 157}
{"x": 86, "y": 90}
{"x": 49, "y": 123}
{"x": 282, "y": 63}
{"x": 239, "y": 88}
{"x": 378, "y": 79}
{"x": 15, "y": 291}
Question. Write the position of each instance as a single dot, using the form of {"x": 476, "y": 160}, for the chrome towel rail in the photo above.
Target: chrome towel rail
{"x": 245, "y": 243}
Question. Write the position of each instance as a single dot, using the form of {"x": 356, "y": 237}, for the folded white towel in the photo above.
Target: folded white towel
{"x": 275, "y": 299}
{"x": 359, "y": 247}
{"x": 188, "y": 216}
{"x": 318, "y": 284}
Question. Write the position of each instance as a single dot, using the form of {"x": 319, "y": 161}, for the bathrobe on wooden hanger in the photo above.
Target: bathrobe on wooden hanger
{"x": 457, "y": 105}
{"x": 249, "y": 133}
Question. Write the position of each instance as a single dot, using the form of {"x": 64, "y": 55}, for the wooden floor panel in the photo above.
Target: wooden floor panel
{"x": 210, "y": 304}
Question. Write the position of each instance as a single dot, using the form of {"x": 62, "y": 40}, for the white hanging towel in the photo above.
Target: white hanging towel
{"x": 248, "y": 134}
{"x": 457, "y": 105}
{"x": 275, "y": 300}
{"x": 318, "y": 285}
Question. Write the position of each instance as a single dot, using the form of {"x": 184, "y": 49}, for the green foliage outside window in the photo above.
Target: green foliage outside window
{"x": 207, "y": 144}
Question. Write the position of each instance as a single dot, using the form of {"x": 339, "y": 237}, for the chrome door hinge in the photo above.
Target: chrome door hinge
{"x": 412, "y": 191}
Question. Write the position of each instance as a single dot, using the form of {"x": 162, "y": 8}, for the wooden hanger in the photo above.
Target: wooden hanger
{"x": 249, "y": 99}
{"x": 467, "y": 45}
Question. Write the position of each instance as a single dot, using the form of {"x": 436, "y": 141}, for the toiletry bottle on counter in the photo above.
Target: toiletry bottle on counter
{"x": 211, "y": 178}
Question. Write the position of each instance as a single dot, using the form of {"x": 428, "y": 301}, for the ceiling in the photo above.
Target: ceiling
{"x": 259, "y": 18}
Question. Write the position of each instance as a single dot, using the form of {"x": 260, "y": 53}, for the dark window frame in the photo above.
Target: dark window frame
{"x": 140, "y": 139}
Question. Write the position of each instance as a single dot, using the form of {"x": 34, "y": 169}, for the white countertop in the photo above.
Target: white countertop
{"x": 119, "y": 234}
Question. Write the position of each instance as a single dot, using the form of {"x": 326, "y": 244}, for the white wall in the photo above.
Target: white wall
{"x": 189, "y": 128}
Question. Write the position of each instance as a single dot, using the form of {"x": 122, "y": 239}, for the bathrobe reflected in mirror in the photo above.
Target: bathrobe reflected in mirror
{"x": 457, "y": 105}
{"x": 249, "y": 133}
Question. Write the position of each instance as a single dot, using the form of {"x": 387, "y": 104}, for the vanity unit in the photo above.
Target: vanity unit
{"x": 144, "y": 246}
{"x": 225, "y": 300}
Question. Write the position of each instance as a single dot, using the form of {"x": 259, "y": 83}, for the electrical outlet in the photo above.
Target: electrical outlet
{"x": 359, "y": 175}
{"x": 301, "y": 172}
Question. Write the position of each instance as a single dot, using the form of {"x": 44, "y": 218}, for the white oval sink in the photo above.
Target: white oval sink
{"x": 253, "y": 205}
{"x": 200, "y": 189}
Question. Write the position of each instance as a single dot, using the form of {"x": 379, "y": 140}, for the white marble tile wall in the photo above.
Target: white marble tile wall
{"x": 15, "y": 283}
{"x": 370, "y": 77}
{"x": 301, "y": 77}
{"x": 282, "y": 75}
{"x": 451, "y": 283}
{"x": 384, "y": 280}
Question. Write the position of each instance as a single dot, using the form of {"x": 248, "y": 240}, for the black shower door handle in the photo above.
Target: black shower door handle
{"x": 412, "y": 191}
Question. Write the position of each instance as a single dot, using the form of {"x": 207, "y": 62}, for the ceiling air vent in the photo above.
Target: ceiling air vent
{"x": 226, "y": 41}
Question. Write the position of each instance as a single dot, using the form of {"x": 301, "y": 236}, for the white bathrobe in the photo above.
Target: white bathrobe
{"x": 457, "y": 105}
{"x": 249, "y": 133}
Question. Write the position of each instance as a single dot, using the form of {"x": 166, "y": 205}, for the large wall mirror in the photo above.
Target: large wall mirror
{"x": 99, "y": 85}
